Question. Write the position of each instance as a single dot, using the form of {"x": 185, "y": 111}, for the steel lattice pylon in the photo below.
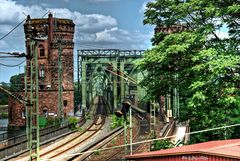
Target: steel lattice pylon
{"x": 31, "y": 105}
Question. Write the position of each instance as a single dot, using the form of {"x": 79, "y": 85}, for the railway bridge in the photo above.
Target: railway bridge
{"x": 110, "y": 73}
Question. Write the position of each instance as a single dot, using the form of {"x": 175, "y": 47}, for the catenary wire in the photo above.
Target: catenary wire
{"x": 13, "y": 65}
{"x": 12, "y": 29}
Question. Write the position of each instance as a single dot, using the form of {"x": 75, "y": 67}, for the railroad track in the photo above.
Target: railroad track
{"x": 88, "y": 151}
{"x": 110, "y": 154}
{"x": 20, "y": 148}
{"x": 75, "y": 142}
{"x": 121, "y": 150}
{"x": 82, "y": 139}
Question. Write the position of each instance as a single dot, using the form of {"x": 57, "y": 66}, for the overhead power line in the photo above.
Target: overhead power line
{"x": 12, "y": 29}
{"x": 6, "y": 65}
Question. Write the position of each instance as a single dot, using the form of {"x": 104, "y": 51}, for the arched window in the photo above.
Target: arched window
{"x": 41, "y": 50}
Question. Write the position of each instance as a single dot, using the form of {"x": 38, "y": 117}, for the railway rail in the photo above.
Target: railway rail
{"x": 121, "y": 150}
{"x": 14, "y": 147}
{"x": 110, "y": 154}
{"x": 74, "y": 142}
{"x": 88, "y": 151}
{"x": 83, "y": 138}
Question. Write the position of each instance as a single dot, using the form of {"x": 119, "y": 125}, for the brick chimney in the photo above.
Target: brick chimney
{"x": 51, "y": 27}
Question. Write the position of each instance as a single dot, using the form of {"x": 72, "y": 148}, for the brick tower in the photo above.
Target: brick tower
{"x": 56, "y": 33}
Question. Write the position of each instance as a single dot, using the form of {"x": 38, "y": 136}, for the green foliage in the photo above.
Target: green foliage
{"x": 162, "y": 144}
{"x": 116, "y": 122}
{"x": 3, "y": 95}
{"x": 52, "y": 121}
{"x": 17, "y": 82}
{"x": 4, "y": 115}
{"x": 198, "y": 61}
{"x": 80, "y": 129}
{"x": 72, "y": 121}
{"x": 113, "y": 141}
{"x": 97, "y": 152}
{"x": 87, "y": 117}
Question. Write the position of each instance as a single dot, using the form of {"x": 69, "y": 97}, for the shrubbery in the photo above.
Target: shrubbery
{"x": 162, "y": 144}
{"x": 116, "y": 122}
{"x": 72, "y": 121}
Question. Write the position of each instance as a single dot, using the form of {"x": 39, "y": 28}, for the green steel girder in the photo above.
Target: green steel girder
{"x": 115, "y": 64}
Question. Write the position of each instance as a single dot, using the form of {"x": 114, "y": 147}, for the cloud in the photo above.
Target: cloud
{"x": 108, "y": 36}
{"x": 222, "y": 34}
{"x": 91, "y": 29}
{"x": 143, "y": 8}
{"x": 12, "y": 12}
{"x": 114, "y": 38}
{"x": 123, "y": 39}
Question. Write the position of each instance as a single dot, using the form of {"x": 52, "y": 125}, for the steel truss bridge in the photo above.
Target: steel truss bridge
{"x": 110, "y": 73}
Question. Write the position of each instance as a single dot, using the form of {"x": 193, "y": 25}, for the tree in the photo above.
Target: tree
{"x": 203, "y": 65}
{"x": 3, "y": 95}
{"x": 17, "y": 83}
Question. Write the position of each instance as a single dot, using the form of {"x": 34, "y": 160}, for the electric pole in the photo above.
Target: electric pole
{"x": 31, "y": 105}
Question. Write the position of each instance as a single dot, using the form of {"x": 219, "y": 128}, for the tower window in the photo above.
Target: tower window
{"x": 41, "y": 86}
{"x": 41, "y": 72}
{"x": 41, "y": 50}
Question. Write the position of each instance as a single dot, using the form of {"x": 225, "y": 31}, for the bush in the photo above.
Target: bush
{"x": 116, "y": 122}
{"x": 4, "y": 115}
{"x": 52, "y": 121}
{"x": 162, "y": 144}
{"x": 72, "y": 122}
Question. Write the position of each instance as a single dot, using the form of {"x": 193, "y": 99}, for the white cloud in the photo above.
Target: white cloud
{"x": 12, "y": 12}
{"x": 93, "y": 29}
{"x": 222, "y": 34}
{"x": 123, "y": 39}
{"x": 107, "y": 36}
{"x": 143, "y": 8}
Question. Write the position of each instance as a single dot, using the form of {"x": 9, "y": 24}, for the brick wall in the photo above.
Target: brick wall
{"x": 48, "y": 102}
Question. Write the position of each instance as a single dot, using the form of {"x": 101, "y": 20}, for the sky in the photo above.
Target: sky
{"x": 115, "y": 24}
